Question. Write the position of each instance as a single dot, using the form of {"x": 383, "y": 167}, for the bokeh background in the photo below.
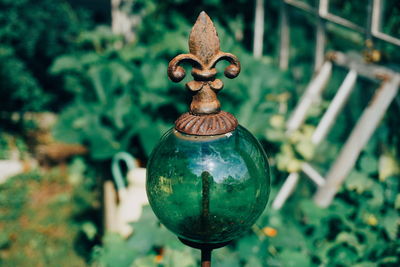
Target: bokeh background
{"x": 82, "y": 80}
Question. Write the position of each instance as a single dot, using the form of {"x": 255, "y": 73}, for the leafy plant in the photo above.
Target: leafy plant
{"x": 115, "y": 98}
{"x": 124, "y": 101}
{"x": 28, "y": 46}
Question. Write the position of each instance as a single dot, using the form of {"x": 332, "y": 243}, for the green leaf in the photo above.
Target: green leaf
{"x": 275, "y": 135}
{"x": 153, "y": 99}
{"x": 341, "y": 210}
{"x": 179, "y": 258}
{"x": 306, "y": 149}
{"x": 369, "y": 164}
{"x": 358, "y": 181}
{"x": 66, "y": 63}
{"x": 101, "y": 140}
{"x": 115, "y": 252}
{"x": 397, "y": 202}
{"x": 89, "y": 229}
{"x": 294, "y": 165}
{"x": 150, "y": 134}
{"x": 129, "y": 53}
{"x": 89, "y": 58}
{"x": 119, "y": 109}
{"x": 289, "y": 258}
{"x": 277, "y": 121}
{"x": 247, "y": 245}
{"x": 391, "y": 222}
{"x": 388, "y": 166}
{"x": 390, "y": 259}
{"x": 343, "y": 255}
{"x": 66, "y": 128}
{"x": 149, "y": 233}
{"x": 107, "y": 78}
{"x": 313, "y": 214}
{"x": 377, "y": 199}
{"x": 151, "y": 74}
{"x": 350, "y": 240}
{"x": 100, "y": 78}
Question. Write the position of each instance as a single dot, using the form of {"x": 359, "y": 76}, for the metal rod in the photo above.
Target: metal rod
{"x": 386, "y": 37}
{"x": 286, "y": 190}
{"x": 320, "y": 44}
{"x": 376, "y": 16}
{"x": 323, "y": 7}
{"x": 301, "y": 5}
{"x": 324, "y": 13}
{"x": 320, "y": 39}
{"x": 362, "y": 132}
{"x": 206, "y": 257}
{"x": 313, "y": 174}
{"x": 284, "y": 37}
{"x": 368, "y": 26}
{"x": 369, "y": 71}
{"x": 335, "y": 107}
{"x": 377, "y": 10}
{"x": 312, "y": 93}
{"x": 344, "y": 22}
{"x": 258, "y": 29}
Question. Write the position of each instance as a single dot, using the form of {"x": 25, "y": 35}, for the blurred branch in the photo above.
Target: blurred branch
{"x": 258, "y": 29}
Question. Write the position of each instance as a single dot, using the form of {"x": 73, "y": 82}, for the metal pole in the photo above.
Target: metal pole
{"x": 258, "y": 29}
{"x": 311, "y": 94}
{"x": 284, "y": 37}
{"x": 321, "y": 35}
{"x": 376, "y": 16}
{"x": 286, "y": 189}
{"x": 206, "y": 257}
{"x": 368, "y": 26}
{"x": 335, "y": 107}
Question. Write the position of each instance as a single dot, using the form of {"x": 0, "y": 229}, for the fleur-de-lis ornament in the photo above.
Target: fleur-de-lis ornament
{"x": 205, "y": 116}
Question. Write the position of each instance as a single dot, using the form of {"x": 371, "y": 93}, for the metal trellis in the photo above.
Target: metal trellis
{"x": 388, "y": 79}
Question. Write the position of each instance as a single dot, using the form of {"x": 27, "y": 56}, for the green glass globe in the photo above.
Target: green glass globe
{"x": 208, "y": 189}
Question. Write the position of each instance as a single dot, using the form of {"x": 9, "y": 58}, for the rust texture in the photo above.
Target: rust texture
{"x": 205, "y": 116}
{"x": 211, "y": 124}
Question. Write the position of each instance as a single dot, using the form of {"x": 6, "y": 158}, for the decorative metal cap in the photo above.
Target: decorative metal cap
{"x": 205, "y": 116}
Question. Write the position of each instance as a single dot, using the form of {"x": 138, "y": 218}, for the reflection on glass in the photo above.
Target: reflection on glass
{"x": 208, "y": 189}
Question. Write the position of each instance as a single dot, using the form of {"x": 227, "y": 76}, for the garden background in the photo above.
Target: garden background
{"x": 67, "y": 78}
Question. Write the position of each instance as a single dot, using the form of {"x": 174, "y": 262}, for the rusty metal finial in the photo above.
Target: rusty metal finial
{"x": 205, "y": 117}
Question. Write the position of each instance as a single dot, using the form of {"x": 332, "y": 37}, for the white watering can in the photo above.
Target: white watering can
{"x": 131, "y": 194}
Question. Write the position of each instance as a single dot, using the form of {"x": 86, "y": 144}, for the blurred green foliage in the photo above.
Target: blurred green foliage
{"x": 360, "y": 228}
{"x": 32, "y": 34}
{"x": 123, "y": 99}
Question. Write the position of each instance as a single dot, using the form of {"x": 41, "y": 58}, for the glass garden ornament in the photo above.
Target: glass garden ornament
{"x": 208, "y": 178}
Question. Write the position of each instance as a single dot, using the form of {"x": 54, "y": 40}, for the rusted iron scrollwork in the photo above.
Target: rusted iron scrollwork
{"x": 205, "y": 116}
